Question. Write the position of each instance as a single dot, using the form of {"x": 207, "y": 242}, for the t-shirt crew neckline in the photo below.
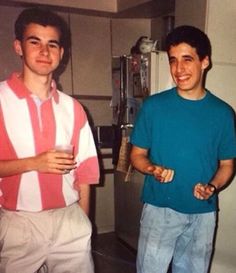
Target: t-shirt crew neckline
{"x": 197, "y": 101}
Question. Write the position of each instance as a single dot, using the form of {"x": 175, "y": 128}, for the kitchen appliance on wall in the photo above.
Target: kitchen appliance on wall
{"x": 134, "y": 78}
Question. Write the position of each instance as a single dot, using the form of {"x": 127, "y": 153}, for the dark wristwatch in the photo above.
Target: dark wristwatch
{"x": 213, "y": 187}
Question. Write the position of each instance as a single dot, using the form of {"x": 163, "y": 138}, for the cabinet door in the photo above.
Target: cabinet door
{"x": 91, "y": 55}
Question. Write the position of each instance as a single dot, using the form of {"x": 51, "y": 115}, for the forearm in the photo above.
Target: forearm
{"x": 15, "y": 167}
{"x": 141, "y": 163}
{"x": 51, "y": 161}
{"x": 84, "y": 202}
{"x": 223, "y": 174}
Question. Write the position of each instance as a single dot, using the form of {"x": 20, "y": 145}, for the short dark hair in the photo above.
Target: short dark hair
{"x": 43, "y": 17}
{"x": 192, "y": 36}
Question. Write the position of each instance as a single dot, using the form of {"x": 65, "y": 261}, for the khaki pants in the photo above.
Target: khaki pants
{"x": 60, "y": 238}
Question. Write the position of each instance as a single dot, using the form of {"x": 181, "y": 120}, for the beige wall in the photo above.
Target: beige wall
{"x": 91, "y": 55}
{"x": 191, "y": 12}
{"x": 101, "y": 5}
{"x": 220, "y": 26}
{"x": 125, "y": 33}
{"x": 8, "y": 60}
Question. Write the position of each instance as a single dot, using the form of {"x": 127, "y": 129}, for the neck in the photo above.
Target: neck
{"x": 38, "y": 85}
{"x": 192, "y": 95}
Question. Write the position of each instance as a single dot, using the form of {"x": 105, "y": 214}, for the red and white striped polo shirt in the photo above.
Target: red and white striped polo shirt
{"x": 27, "y": 130}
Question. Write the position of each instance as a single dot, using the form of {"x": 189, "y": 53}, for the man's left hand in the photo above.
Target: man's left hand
{"x": 203, "y": 191}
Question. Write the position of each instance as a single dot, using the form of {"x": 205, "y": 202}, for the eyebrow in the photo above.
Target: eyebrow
{"x": 188, "y": 56}
{"x": 36, "y": 38}
{"x": 184, "y": 56}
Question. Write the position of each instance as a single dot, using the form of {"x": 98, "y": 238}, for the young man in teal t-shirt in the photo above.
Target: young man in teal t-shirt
{"x": 184, "y": 142}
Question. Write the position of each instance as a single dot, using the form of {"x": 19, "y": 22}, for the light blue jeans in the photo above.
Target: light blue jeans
{"x": 167, "y": 235}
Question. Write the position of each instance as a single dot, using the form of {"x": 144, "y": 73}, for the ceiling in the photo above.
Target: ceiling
{"x": 107, "y": 8}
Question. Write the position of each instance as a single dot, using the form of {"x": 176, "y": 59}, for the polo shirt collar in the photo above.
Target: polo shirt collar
{"x": 22, "y": 92}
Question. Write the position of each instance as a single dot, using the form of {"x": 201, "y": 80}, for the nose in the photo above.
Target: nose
{"x": 44, "y": 50}
{"x": 179, "y": 66}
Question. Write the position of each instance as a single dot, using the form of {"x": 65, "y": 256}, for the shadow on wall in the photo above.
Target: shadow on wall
{"x": 66, "y": 43}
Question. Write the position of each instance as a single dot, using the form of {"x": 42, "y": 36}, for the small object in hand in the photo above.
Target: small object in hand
{"x": 67, "y": 148}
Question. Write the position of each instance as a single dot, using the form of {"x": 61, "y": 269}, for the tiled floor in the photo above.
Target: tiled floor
{"x": 111, "y": 255}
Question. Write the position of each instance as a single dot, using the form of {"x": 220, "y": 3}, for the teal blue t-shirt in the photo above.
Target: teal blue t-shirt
{"x": 188, "y": 136}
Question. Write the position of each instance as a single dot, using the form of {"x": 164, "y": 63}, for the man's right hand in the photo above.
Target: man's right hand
{"x": 54, "y": 161}
{"x": 162, "y": 174}
{"x": 140, "y": 160}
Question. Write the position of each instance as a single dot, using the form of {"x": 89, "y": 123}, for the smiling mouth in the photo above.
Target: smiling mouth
{"x": 182, "y": 78}
{"x": 43, "y": 62}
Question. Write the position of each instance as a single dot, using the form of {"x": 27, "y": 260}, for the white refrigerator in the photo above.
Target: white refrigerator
{"x": 149, "y": 75}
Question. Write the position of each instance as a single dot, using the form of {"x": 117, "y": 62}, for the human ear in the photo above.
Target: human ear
{"x": 62, "y": 52}
{"x": 18, "y": 48}
{"x": 205, "y": 63}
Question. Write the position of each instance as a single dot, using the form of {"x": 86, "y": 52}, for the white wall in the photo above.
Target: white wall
{"x": 220, "y": 26}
